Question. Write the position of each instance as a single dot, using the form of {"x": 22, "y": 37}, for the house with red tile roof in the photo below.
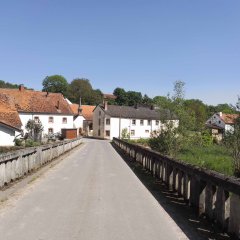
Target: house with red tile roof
{"x": 83, "y": 118}
{"x": 17, "y": 106}
{"x": 220, "y": 122}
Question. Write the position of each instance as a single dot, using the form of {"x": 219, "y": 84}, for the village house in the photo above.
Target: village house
{"x": 220, "y": 123}
{"x": 17, "y": 106}
{"x": 138, "y": 122}
{"x": 83, "y": 118}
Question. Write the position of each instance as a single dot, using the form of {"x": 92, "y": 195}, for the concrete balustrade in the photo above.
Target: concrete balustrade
{"x": 15, "y": 165}
{"x": 210, "y": 193}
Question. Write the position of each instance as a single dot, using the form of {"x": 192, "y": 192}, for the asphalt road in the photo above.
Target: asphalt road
{"x": 90, "y": 195}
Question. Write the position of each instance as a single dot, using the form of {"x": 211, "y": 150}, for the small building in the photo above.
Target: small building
{"x": 219, "y": 123}
{"x": 51, "y": 109}
{"x": 83, "y": 118}
{"x": 69, "y": 133}
{"x": 138, "y": 122}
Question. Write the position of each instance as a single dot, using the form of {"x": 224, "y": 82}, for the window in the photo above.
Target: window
{"x": 146, "y": 131}
{"x": 132, "y": 132}
{"x": 36, "y": 119}
{"x": 98, "y": 132}
{"x": 157, "y": 122}
{"x": 50, "y": 131}
{"x": 50, "y": 120}
{"x": 100, "y": 113}
{"x": 134, "y": 122}
{"x": 149, "y": 122}
{"x": 141, "y": 122}
{"x": 107, "y": 121}
{"x": 107, "y": 133}
{"x": 219, "y": 122}
{"x": 64, "y": 120}
{"x": 99, "y": 121}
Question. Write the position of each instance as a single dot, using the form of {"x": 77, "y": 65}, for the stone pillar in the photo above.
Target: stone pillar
{"x": 234, "y": 219}
{"x": 180, "y": 183}
{"x": 221, "y": 213}
{"x": 186, "y": 186}
{"x": 209, "y": 200}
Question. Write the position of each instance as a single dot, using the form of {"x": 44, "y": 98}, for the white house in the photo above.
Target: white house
{"x": 51, "y": 109}
{"x": 110, "y": 120}
{"x": 220, "y": 122}
{"x": 83, "y": 118}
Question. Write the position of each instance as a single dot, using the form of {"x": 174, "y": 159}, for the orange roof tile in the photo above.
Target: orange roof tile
{"x": 87, "y": 110}
{"x": 8, "y": 113}
{"x": 229, "y": 118}
{"x": 38, "y": 102}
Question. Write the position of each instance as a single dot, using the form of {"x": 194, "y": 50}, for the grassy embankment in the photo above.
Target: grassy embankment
{"x": 214, "y": 157}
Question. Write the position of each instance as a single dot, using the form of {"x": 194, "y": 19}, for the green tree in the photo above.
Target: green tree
{"x": 34, "y": 129}
{"x": 55, "y": 84}
{"x": 134, "y": 98}
{"x": 81, "y": 87}
{"x": 147, "y": 100}
{"x": 162, "y": 102}
{"x": 121, "y": 95}
{"x": 232, "y": 142}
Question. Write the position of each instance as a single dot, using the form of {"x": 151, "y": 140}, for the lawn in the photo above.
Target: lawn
{"x": 214, "y": 157}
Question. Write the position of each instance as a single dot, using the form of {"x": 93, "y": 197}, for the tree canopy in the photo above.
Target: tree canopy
{"x": 55, "y": 84}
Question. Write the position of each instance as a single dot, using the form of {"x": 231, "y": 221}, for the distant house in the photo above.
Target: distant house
{"x": 17, "y": 106}
{"x": 83, "y": 118}
{"x": 219, "y": 123}
{"x": 139, "y": 122}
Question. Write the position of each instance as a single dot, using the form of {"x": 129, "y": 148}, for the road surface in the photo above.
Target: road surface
{"x": 90, "y": 195}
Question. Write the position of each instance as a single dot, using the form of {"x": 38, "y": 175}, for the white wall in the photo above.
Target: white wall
{"x": 215, "y": 119}
{"x": 57, "y": 124}
{"x": 7, "y": 136}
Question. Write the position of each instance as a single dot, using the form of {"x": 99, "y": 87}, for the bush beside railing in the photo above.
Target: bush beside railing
{"x": 15, "y": 165}
{"x": 213, "y": 194}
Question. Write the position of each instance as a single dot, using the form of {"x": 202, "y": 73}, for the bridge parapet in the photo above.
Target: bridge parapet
{"x": 15, "y": 165}
{"x": 213, "y": 194}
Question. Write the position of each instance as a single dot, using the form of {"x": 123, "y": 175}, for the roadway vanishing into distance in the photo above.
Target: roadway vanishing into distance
{"x": 91, "y": 195}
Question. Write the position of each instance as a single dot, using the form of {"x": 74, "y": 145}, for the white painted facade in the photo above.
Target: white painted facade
{"x": 107, "y": 127}
{"x": 7, "y": 135}
{"x": 217, "y": 121}
{"x": 49, "y": 121}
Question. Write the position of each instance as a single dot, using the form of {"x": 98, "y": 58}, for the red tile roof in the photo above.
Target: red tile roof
{"x": 87, "y": 111}
{"x": 8, "y": 113}
{"x": 13, "y": 101}
{"x": 109, "y": 96}
{"x": 38, "y": 102}
{"x": 229, "y": 118}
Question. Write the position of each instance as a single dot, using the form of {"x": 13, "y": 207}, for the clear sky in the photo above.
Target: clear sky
{"x": 140, "y": 45}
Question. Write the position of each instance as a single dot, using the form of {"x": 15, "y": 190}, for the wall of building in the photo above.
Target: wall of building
{"x": 57, "y": 124}
{"x": 7, "y": 136}
{"x": 98, "y": 115}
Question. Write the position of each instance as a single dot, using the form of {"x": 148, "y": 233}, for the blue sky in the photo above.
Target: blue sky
{"x": 141, "y": 45}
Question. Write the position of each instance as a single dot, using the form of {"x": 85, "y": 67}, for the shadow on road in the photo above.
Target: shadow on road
{"x": 194, "y": 227}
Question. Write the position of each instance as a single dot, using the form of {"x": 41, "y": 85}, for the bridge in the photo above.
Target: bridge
{"x": 91, "y": 194}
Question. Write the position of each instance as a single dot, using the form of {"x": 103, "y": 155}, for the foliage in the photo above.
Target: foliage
{"x": 31, "y": 143}
{"x": 18, "y": 142}
{"x": 82, "y": 88}
{"x": 55, "y": 84}
{"x": 232, "y": 142}
{"x": 125, "y": 134}
{"x": 7, "y": 85}
{"x": 34, "y": 130}
{"x": 167, "y": 141}
{"x": 214, "y": 157}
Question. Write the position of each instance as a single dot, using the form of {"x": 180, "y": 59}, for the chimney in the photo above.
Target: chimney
{"x": 21, "y": 88}
{"x": 136, "y": 106}
{"x": 105, "y": 105}
{"x": 220, "y": 114}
